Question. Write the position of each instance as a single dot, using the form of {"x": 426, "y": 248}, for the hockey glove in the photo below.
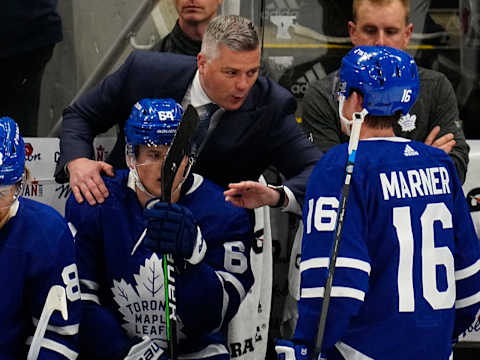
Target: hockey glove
{"x": 287, "y": 350}
{"x": 146, "y": 349}
{"x": 171, "y": 229}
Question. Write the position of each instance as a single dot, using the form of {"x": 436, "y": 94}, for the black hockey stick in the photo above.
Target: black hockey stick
{"x": 177, "y": 151}
{"x": 352, "y": 151}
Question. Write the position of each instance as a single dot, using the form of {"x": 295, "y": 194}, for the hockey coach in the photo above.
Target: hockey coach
{"x": 256, "y": 126}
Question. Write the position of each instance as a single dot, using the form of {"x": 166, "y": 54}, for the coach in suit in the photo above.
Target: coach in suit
{"x": 257, "y": 129}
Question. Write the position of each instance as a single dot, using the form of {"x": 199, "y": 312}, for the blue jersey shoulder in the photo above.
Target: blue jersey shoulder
{"x": 37, "y": 220}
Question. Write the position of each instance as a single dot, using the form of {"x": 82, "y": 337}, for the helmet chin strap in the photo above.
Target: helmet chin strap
{"x": 358, "y": 116}
{"x": 139, "y": 184}
{"x": 18, "y": 191}
{"x": 131, "y": 162}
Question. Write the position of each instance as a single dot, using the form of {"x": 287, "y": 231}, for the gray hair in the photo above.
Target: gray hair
{"x": 235, "y": 32}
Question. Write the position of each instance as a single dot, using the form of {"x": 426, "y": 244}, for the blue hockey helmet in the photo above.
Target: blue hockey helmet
{"x": 386, "y": 77}
{"x": 153, "y": 122}
{"x": 12, "y": 152}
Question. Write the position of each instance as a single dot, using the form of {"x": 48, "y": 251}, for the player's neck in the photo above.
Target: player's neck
{"x": 368, "y": 132}
{"x": 142, "y": 197}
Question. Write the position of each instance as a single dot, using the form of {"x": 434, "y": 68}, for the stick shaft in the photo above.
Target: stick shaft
{"x": 352, "y": 151}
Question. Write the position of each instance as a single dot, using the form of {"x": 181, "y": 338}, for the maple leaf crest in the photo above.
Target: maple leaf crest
{"x": 143, "y": 307}
{"x": 407, "y": 122}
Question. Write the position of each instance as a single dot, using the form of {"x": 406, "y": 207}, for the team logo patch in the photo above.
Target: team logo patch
{"x": 143, "y": 305}
{"x": 407, "y": 122}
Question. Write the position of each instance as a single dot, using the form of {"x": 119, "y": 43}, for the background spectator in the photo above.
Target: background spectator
{"x": 29, "y": 31}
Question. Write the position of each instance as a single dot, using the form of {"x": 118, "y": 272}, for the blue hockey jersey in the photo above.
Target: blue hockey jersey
{"x": 407, "y": 277}
{"x": 36, "y": 253}
{"x": 122, "y": 294}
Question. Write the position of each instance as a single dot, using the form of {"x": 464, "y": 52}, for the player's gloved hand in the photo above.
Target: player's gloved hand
{"x": 146, "y": 349}
{"x": 287, "y": 350}
{"x": 171, "y": 229}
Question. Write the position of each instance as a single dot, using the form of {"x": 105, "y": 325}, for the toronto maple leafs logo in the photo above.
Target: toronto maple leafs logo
{"x": 407, "y": 122}
{"x": 143, "y": 307}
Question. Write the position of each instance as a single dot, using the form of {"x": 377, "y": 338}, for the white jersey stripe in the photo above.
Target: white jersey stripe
{"x": 314, "y": 263}
{"x": 72, "y": 228}
{"x": 197, "y": 181}
{"x": 224, "y": 304}
{"x": 90, "y": 297}
{"x": 341, "y": 262}
{"x": 55, "y": 346}
{"x": 470, "y": 300}
{"x": 62, "y": 330}
{"x": 468, "y": 271}
{"x": 234, "y": 281}
{"x": 337, "y": 291}
{"x": 92, "y": 285}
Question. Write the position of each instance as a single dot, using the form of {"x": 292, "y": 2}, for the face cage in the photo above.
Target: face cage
{"x": 131, "y": 160}
{"x": 18, "y": 191}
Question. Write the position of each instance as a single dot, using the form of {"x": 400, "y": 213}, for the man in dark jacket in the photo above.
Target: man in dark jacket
{"x": 29, "y": 30}
{"x": 193, "y": 18}
{"x": 257, "y": 128}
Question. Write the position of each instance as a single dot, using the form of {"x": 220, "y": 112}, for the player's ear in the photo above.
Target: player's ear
{"x": 357, "y": 100}
{"x": 407, "y": 35}
{"x": 351, "y": 31}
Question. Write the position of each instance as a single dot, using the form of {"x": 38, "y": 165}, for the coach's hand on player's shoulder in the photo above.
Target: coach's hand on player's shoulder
{"x": 251, "y": 195}
{"x": 445, "y": 142}
{"x": 85, "y": 179}
{"x": 171, "y": 229}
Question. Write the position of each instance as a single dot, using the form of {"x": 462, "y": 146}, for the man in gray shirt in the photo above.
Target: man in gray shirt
{"x": 434, "y": 117}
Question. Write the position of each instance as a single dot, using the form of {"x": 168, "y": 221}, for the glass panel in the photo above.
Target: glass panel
{"x": 306, "y": 39}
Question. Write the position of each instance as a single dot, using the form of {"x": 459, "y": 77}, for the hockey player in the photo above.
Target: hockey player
{"x": 122, "y": 279}
{"x": 36, "y": 255}
{"x": 407, "y": 279}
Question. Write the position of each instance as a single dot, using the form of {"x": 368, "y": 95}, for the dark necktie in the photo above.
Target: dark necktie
{"x": 205, "y": 112}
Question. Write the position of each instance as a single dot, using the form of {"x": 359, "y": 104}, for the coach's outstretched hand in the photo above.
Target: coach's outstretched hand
{"x": 251, "y": 195}
{"x": 171, "y": 229}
